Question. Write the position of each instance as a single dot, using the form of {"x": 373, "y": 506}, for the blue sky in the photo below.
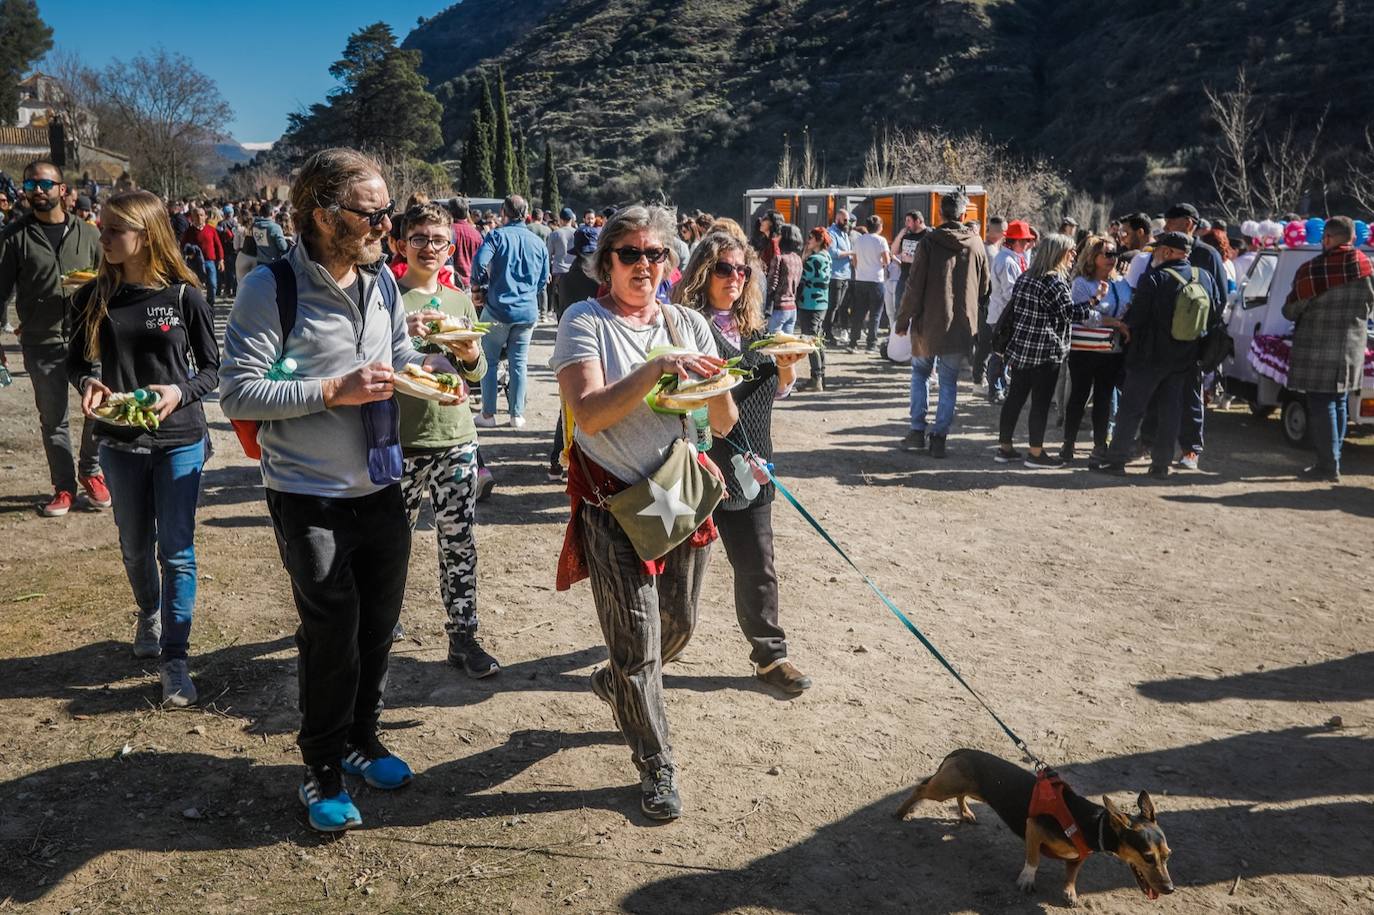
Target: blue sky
{"x": 269, "y": 57}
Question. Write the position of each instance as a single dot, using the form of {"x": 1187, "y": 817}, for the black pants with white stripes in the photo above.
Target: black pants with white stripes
{"x": 646, "y": 621}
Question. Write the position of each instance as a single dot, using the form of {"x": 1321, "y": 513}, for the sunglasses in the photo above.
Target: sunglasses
{"x": 629, "y": 256}
{"x": 1107, "y": 252}
{"x": 724, "y": 271}
{"x": 420, "y": 242}
{"x": 375, "y": 217}
{"x": 40, "y": 184}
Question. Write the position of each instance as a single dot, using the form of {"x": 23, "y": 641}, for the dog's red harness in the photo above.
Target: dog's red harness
{"x": 1048, "y": 798}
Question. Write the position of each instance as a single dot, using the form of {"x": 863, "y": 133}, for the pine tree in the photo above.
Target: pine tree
{"x": 477, "y": 158}
{"x": 550, "y": 197}
{"x": 24, "y": 38}
{"x": 521, "y": 180}
{"x": 503, "y": 168}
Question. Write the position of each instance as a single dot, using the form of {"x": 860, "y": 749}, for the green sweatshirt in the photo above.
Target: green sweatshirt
{"x": 425, "y": 424}
{"x": 33, "y": 270}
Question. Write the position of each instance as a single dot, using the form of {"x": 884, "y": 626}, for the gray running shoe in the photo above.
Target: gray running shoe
{"x": 658, "y": 794}
{"x": 177, "y": 689}
{"x": 148, "y": 636}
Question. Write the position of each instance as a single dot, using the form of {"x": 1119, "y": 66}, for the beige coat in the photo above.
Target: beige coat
{"x": 949, "y": 277}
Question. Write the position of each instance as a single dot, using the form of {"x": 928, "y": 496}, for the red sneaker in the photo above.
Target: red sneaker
{"x": 61, "y": 504}
{"x": 97, "y": 493}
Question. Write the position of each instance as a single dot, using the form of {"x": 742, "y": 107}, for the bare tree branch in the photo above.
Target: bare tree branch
{"x": 1360, "y": 178}
{"x": 1290, "y": 168}
{"x": 1233, "y": 167}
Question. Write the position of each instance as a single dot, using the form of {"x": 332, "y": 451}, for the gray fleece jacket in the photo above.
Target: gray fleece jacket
{"x": 307, "y": 448}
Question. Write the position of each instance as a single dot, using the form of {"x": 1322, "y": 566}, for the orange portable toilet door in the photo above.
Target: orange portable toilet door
{"x": 885, "y": 208}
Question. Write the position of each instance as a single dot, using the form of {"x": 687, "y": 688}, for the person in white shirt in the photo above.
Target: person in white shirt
{"x": 871, "y": 257}
{"x": 1010, "y": 262}
{"x": 561, "y": 257}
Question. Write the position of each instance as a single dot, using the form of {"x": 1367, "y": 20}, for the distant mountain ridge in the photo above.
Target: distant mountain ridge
{"x": 695, "y": 96}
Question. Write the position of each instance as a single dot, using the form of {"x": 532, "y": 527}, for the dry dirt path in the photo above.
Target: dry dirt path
{"x": 1193, "y": 638}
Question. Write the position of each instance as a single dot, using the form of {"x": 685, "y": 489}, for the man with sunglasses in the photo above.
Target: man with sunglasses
{"x": 37, "y": 249}
{"x": 513, "y": 265}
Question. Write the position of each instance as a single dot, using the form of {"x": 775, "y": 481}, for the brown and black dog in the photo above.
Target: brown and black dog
{"x": 1007, "y": 788}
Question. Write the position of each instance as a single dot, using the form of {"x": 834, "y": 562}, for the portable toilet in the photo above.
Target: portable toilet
{"x": 891, "y": 204}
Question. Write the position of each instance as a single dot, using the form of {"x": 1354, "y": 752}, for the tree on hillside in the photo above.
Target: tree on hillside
{"x": 165, "y": 112}
{"x": 549, "y": 196}
{"x": 24, "y": 38}
{"x": 504, "y": 167}
{"x": 521, "y": 183}
{"x": 1233, "y": 168}
{"x": 381, "y": 104}
{"x": 477, "y": 156}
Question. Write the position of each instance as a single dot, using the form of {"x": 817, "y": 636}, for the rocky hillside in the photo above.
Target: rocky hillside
{"x": 695, "y": 96}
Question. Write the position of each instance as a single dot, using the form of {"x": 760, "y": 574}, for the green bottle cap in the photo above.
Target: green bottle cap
{"x": 435, "y": 303}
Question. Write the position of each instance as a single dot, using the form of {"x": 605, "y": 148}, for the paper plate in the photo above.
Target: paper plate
{"x": 786, "y": 349}
{"x": 455, "y": 336}
{"x": 115, "y": 400}
{"x": 671, "y": 400}
{"x": 414, "y": 389}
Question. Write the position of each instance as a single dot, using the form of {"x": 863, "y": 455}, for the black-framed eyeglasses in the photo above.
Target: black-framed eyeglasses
{"x": 629, "y": 255}
{"x": 1107, "y": 252}
{"x": 39, "y": 184}
{"x": 724, "y": 271}
{"x": 434, "y": 242}
{"x": 374, "y": 217}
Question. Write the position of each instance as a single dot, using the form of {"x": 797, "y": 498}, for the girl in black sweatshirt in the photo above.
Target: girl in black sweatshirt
{"x": 143, "y": 323}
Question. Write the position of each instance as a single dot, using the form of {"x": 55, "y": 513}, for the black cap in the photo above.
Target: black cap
{"x": 1176, "y": 240}
{"x": 83, "y": 202}
{"x": 1180, "y": 210}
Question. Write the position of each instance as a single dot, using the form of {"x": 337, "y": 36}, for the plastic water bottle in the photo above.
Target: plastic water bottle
{"x": 6, "y": 379}
{"x": 702, "y": 420}
{"x": 146, "y": 398}
{"x": 284, "y": 369}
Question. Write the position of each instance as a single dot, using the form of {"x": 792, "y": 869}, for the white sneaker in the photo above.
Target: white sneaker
{"x": 485, "y": 421}
{"x": 517, "y": 422}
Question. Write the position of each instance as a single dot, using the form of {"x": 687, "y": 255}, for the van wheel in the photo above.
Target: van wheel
{"x": 1293, "y": 420}
{"x": 1262, "y": 411}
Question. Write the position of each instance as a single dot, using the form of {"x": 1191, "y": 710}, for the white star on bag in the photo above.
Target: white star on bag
{"x": 667, "y": 505}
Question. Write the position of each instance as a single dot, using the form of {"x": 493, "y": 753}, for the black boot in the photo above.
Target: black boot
{"x": 937, "y": 446}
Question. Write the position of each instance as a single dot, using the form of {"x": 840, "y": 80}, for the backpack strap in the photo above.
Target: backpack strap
{"x": 285, "y": 276}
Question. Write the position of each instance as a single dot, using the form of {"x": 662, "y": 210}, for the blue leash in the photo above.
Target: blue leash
{"x": 896, "y": 611}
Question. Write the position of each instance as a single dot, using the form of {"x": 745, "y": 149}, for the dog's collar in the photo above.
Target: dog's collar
{"x": 1102, "y": 834}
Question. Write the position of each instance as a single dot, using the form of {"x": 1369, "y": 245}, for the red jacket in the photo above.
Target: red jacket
{"x": 207, "y": 239}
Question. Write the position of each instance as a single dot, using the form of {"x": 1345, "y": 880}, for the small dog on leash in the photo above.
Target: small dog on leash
{"x": 1007, "y": 789}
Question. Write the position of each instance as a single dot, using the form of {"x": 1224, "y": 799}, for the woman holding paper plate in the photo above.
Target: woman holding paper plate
{"x": 717, "y": 282}
{"x": 641, "y": 494}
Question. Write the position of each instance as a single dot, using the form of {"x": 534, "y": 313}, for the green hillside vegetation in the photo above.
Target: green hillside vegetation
{"x": 695, "y": 97}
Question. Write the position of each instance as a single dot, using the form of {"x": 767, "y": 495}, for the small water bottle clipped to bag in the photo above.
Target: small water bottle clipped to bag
{"x": 701, "y": 421}
{"x": 6, "y": 379}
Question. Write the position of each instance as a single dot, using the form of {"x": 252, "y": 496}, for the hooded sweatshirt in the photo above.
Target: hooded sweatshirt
{"x": 949, "y": 277}
{"x": 32, "y": 268}
{"x": 308, "y": 448}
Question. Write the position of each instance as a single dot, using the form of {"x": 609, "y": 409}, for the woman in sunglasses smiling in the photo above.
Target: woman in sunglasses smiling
{"x": 647, "y": 610}
{"x": 720, "y": 281}
{"x": 1096, "y": 346}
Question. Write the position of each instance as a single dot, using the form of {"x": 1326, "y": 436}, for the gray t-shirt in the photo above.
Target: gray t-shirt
{"x": 637, "y": 445}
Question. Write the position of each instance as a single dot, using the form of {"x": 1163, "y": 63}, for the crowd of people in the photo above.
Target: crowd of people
{"x": 335, "y": 292}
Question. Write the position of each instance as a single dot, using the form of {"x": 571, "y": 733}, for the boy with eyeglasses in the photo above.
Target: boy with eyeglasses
{"x": 440, "y": 442}
{"x": 36, "y": 249}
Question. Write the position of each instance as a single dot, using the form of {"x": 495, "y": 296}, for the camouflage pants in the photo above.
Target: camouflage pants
{"x": 449, "y": 478}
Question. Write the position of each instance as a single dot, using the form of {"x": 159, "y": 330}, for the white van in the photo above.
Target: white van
{"x": 1256, "y": 373}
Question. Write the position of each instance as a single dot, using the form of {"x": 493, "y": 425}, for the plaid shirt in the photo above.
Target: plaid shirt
{"x": 1042, "y": 311}
{"x": 1329, "y": 270}
{"x": 1329, "y": 335}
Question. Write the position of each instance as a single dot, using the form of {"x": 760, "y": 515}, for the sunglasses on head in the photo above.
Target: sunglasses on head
{"x": 725, "y": 271}
{"x": 420, "y": 242}
{"x": 374, "y": 217}
{"x": 40, "y": 184}
{"x": 629, "y": 256}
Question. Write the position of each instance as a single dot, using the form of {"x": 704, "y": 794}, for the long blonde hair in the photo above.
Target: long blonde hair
{"x": 143, "y": 211}
{"x": 691, "y": 290}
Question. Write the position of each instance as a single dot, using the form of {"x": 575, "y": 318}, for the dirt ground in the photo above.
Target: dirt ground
{"x": 1199, "y": 638}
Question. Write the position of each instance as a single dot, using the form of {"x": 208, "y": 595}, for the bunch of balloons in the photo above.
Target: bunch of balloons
{"x": 1265, "y": 233}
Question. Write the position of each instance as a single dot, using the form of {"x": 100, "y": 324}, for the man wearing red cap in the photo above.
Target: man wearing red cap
{"x": 1011, "y": 261}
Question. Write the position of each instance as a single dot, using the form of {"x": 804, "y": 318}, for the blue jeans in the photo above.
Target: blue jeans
{"x": 155, "y": 499}
{"x": 1327, "y": 414}
{"x": 516, "y": 339}
{"x": 782, "y": 319}
{"x": 947, "y": 368}
{"x": 211, "y": 277}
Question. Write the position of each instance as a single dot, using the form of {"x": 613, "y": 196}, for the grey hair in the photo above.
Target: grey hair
{"x": 1049, "y": 255}
{"x": 952, "y": 207}
{"x": 656, "y": 219}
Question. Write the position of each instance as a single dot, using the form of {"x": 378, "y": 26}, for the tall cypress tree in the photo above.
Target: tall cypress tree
{"x": 521, "y": 181}
{"x": 550, "y": 197}
{"x": 477, "y": 158}
{"x": 484, "y": 128}
{"x": 503, "y": 169}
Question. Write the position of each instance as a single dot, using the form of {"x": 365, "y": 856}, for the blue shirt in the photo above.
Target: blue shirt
{"x": 839, "y": 248}
{"x": 514, "y": 265}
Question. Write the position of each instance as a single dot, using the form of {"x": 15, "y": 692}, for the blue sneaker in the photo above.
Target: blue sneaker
{"x": 327, "y": 804}
{"x": 376, "y": 765}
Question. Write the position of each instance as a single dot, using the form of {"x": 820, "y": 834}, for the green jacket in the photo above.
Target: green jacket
{"x": 33, "y": 270}
{"x": 428, "y": 425}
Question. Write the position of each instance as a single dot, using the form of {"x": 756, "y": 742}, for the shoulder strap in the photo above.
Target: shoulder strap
{"x": 671, "y": 324}
{"x": 285, "y": 276}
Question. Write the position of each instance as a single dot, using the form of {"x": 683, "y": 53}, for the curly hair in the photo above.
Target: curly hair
{"x": 691, "y": 290}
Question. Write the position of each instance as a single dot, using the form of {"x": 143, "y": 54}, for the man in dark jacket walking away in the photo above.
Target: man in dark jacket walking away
{"x": 1161, "y": 356}
{"x": 35, "y": 251}
{"x": 949, "y": 276}
{"x": 1329, "y": 306}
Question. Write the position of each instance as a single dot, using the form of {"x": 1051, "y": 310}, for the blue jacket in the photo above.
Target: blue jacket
{"x": 840, "y": 246}
{"x": 513, "y": 264}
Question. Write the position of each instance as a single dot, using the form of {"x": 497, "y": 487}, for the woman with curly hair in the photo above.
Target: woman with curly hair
{"x": 718, "y": 283}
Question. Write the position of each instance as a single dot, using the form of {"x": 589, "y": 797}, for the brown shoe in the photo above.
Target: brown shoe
{"x": 783, "y": 675}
